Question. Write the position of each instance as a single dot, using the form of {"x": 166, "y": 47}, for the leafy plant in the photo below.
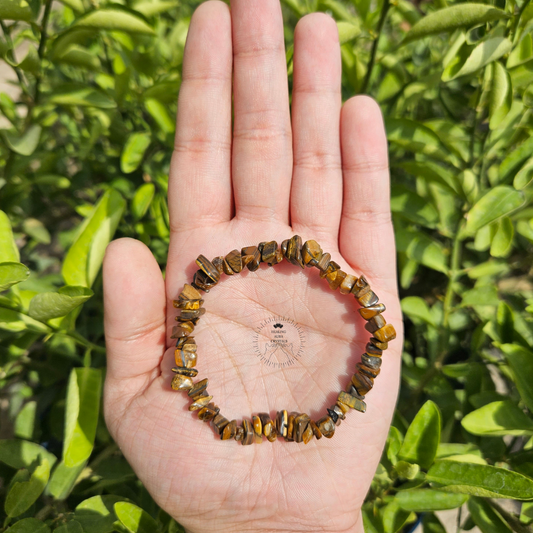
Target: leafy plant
{"x": 86, "y": 137}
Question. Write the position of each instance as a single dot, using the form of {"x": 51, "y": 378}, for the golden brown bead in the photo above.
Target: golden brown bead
{"x": 229, "y": 430}
{"x": 188, "y": 304}
{"x": 335, "y": 279}
{"x": 234, "y": 260}
{"x": 227, "y": 269}
{"x": 326, "y": 426}
{"x": 382, "y": 345}
{"x": 273, "y": 435}
{"x": 370, "y": 372}
{"x": 266, "y": 423}
{"x": 189, "y": 293}
{"x": 183, "y": 330}
{"x": 198, "y": 388}
{"x": 279, "y": 256}
{"x": 316, "y": 430}
{"x": 290, "y": 426}
{"x": 369, "y": 299}
{"x": 372, "y": 349}
{"x": 371, "y": 362}
{"x": 311, "y": 253}
{"x": 294, "y": 251}
{"x": 191, "y": 372}
{"x": 268, "y": 252}
{"x": 208, "y": 412}
{"x": 360, "y": 287}
{"x": 350, "y": 389}
{"x": 375, "y": 323}
{"x": 184, "y": 358}
{"x": 210, "y": 270}
{"x": 368, "y": 312}
{"x": 180, "y": 382}
{"x": 219, "y": 423}
{"x": 217, "y": 262}
{"x": 203, "y": 281}
{"x": 248, "y": 437}
{"x": 347, "y": 284}
{"x": 251, "y": 257}
{"x": 239, "y": 433}
{"x": 200, "y": 403}
{"x": 282, "y": 420}
{"x": 307, "y": 434}
{"x": 362, "y": 383}
{"x": 347, "y": 399}
{"x": 342, "y": 406}
{"x": 360, "y": 406}
{"x": 301, "y": 422}
{"x": 386, "y": 333}
{"x": 258, "y": 429}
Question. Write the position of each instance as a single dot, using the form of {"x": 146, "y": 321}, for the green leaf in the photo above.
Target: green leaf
{"x": 423, "y": 436}
{"x": 433, "y": 172}
{"x": 77, "y": 56}
{"x": 431, "y": 524}
{"x": 521, "y": 53}
{"x": 406, "y": 202}
{"x": 70, "y": 527}
{"x": 423, "y": 249}
{"x": 81, "y": 418}
{"x": 25, "y": 421}
{"x": 394, "y": 517}
{"x": 505, "y": 322}
{"x": 424, "y": 500}
{"x": 96, "y": 514}
{"x": 451, "y": 18}
{"x": 407, "y": 470}
{"x": 415, "y": 137}
{"x": 12, "y": 273}
{"x": 22, "y": 453}
{"x": 486, "y": 518}
{"x": 47, "y": 305}
{"x": 151, "y": 8}
{"x": 480, "y": 480}
{"x": 160, "y": 114}
{"x": 74, "y": 94}
{"x": 9, "y": 252}
{"x": 134, "y": 518}
{"x": 133, "y": 152}
{"x": 520, "y": 360}
{"x": 512, "y": 162}
{"x": 501, "y": 95}
{"x": 26, "y": 143}
{"x": 63, "y": 479}
{"x": 502, "y": 241}
{"x": 83, "y": 260}
{"x": 498, "y": 202}
{"x": 28, "y": 525}
{"x": 498, "y": 419}
{"x": 524, "y": 176}
{"x": 114, "y": 20}
{"x": 24, "y": 494}
{"x": 416, "y": 308}
{"x": 528, "y": 96}
{"x": 484, "y": 53}
{"x": 347, "y": 31}
{"x": 481, "y": 296}
{"x": 35, "y": 229}
{"x": 142, "y": 200}
{"x": 15, "y": 10}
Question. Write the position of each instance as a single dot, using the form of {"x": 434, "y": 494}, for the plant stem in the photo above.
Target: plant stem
{"x": 515, "y": 524}
{"x": 474, "y": 126}
{"x": 372, "y": 60}
{"x": 41, "y": 49}
{"x": 517, "y": 19}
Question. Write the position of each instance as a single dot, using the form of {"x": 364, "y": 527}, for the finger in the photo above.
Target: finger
{"x": 134, "y": 315}
{"x": 200, "y": 186}
{"x": 316, "y": 194}
{"x": 366, "y": 236}
{"x": 262, "y": 152}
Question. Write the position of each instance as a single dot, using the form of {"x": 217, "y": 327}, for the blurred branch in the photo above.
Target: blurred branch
{"x": 42, "y": 47}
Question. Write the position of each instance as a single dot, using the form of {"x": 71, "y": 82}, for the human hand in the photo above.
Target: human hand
{"x": 266, "y": 180}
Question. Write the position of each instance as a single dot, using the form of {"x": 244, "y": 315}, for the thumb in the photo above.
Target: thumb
{"x": 134, "y": 318}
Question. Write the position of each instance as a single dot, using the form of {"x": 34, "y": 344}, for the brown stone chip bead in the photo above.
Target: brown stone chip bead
{"x": 208, "y": 412}
{"x": 218, "y": 263}
{"x": 311, "y": 253}
{"x": 186, "y": 343}
{"x": 229, "y": 430}
{"x": 368, "y": 299}
{"x": 368, "y": 312}
{"x": 335, "y": 279}
{"x": 227, "y": 269}
{"x": 372, "y": 349}
{"x": 307, "y": 434}
{"x": 219, "y": 423}
{"x": 180, "y": 382}
{"x": 183, "y": 330}
{"x": 273, "y": 435}
{"x": 234, "y": 260}
{"x": 283, "y": 247}
{"x": 386, "y": 333}
{"x": 362, "y": 383}
{"x": 258, "y": 429}
{"x": 266, "y": 423}
{"x": 371, "y": 362}
{"x": 350, "y": 389}
{"x": 184, "y": 358}
{"x": 290, "y": 426}
{"x": 239, "y": 433}
{"x": 251, "y": 257}
{"x": 324, "y": 262}
{"x": 294, "y": 251}
{"x": 189, "y": 293}
{"x": 347, "y": 399}
{"x": 282, "y": 421}
{"x": 300, "y": 425}
{"x": 210, "y": 270}
{"x": 340, "y": 414}
{"x": 316, "y": 431}
{"x": 191, "y": 372}
{"x": 198, "y": 388}
{"x": 375, "y": 323}
{"x": 347, "y": 284}
{"x": 360, "y": 406}
{"x": 326, "y": 426}
{"x": 342, "y": 406}
{"x": 188, "y": 304}
{"x": 360, "y": 287}
{"x": 268, "y": 252}
{"x": 193, "y": 321}
{"x": 248, "y": 437}
{"x": 370, "y": 372}
{"x": 382, "y": 345}
{"x": 192, "y": 313}
{"x": 200, "y": 403}
{"x": 203, "y": 281}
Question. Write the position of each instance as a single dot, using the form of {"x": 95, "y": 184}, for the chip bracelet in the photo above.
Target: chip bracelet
{"x": 293, "y": 427}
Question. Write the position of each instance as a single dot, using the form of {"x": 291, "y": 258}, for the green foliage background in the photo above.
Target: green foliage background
{"x": 85, "y": 153}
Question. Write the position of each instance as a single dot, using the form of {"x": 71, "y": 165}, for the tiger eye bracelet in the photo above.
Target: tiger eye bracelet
{"x": 293, "y": 426}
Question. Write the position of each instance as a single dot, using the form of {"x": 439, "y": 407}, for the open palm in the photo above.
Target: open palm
{"x": 321, "y": 174}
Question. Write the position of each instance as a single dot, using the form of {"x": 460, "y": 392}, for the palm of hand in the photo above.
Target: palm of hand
{"x": 200, "y": 480}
